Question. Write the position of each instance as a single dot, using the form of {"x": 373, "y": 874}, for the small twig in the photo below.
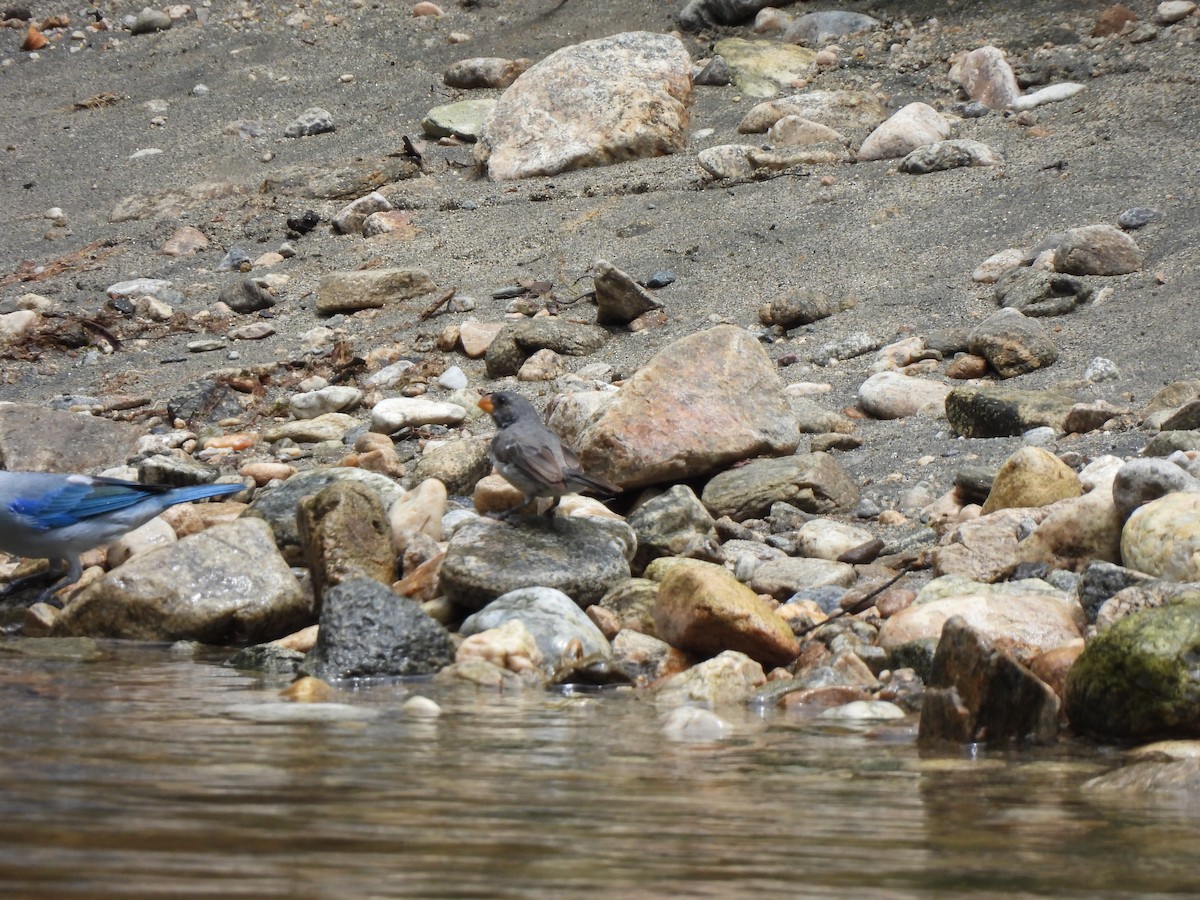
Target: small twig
{"x": 862, "y": 604}
{"x": 441, "y": 301}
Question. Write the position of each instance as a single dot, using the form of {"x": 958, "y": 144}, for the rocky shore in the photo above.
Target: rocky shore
{"x": 889, "y": 359}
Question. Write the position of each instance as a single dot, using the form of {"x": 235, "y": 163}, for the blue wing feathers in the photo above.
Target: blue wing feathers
{"x": 74, "y": 501}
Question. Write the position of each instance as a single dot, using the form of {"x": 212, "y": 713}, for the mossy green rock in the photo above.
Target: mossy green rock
{"x": 1139, "y": 678}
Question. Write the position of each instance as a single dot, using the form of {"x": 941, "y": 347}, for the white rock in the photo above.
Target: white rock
{"x": 890, "y": 395}
{"x": 1172, "y": 11}
{"x": 829, "y": 539}
{"x": 389, "y": 416}
{"x": 990, "y": 270}
{"x": 1052, "y": 94}
{"x": 335, "y": 398}
{"x": 913, "y": 126}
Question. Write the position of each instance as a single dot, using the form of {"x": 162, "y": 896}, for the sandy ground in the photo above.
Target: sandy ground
{"x": 902, "y": 246}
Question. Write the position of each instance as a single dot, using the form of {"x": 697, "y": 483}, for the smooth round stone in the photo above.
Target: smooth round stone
{"x": 395, "y": 413}
{"x": 334, "y": 398}
{"x": 1162, "y": 538}
{"x": 692, "y": 724}
{"x": 1137, "y": 217}
{"x": 864, "y": 711}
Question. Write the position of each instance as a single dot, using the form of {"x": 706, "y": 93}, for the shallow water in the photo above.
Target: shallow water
{"x": 144, "y": 772}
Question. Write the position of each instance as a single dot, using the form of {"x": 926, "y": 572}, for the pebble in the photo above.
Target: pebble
{"x": 1137, "y": 217}
{"x": 314, "y": 120}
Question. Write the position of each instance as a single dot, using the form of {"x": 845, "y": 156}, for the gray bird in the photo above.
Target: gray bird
{"x": 531, "y": 457}
{"x": 44, "y": 515}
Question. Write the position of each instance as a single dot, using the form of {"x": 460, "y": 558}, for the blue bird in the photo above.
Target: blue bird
{"x": 57, "y": 517}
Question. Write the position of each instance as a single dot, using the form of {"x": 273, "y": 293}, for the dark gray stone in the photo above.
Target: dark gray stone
{"x": 999, "y": 411}
{"x": 1141, "y": 480}
{"x": 581, "y": 556}
{"x": 1101, "y": 580}
{"x": 977, "y": 693}
{"x": 1137, "y": 217}
{"x": 246, "y": 295}
{"x": 674, "y": 523}
{"x": 812, "y": 482}
{"x": 701, "y": 14}
{"x": 1038, "y": 293}
{"x": 368, "y": 631}
{"x": 206, "y": 400}
{"x": 821, "y": 27}
{"x": 270, "y": 659}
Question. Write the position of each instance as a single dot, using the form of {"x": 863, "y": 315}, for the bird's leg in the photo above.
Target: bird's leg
{"x": 73, "y": 574}
{"x": 505, "y": 515}
{"x": 553, "y": 506}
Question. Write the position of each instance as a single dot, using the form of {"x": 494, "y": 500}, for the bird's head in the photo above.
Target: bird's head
{"x": 506, "y": 407}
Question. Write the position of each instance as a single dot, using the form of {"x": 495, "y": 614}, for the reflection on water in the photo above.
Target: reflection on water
{"x": 138, "y": 773}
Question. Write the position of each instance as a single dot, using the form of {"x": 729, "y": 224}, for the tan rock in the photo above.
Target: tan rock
{"x": 731, "y": 407}
{"x": 1162, "y": 537}
{"x": 705, "y": 611}
{"x": 1031, "y": 477}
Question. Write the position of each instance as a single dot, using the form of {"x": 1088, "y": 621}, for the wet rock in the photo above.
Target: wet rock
{"x": 813, "y": 482}
{"x": 1140, "y": 481}
{"x": 1137, "y": 678}
{"x": 632, "y": 602}
{"x": 1000, "y": 411}
{"x": 551, "y": 617}
{"x": 703, "y": 610}
{"x": 1174, "y": 782}
{"x": 484, "y": 72}
{"x": 367, "y": 631}
{"x": 826, "y": 26}
{"x": 727, "y": 678}
{"x": 726, "y": 381}
{"x": 1097, "y": 250}
{"x": 913, "y": 126}
{"x": 986, "y": 76}
{"x": 674, "y": 523}
{"x": 396, "y": 413}
{"x": 515, "y": 343}
{"x": 509, "y": 645}
{"x": 345, "y": 536}
{"x": 351, "y": 217}
{"x": 1037, "y": 293}
{"x": 278, "y": 506}
{"x": 619, "y": 299}
{"x": 270, "y": 659}
{"x": 1023, "y": 617}
{"x": 694, "y": 724}
{"x": 800, "y": 308}
{"x": 890, "y": 395}
{"x": 977, "y": 693}
{"x": 456, "y": 464}
{"x": 313, "y": 120}
{"x": 1029, "y": 477}
{"x": 36, "y": 439}
{"x": 225, "y": 585}
{"x": 613, "y": 99}
{"x": 463, "y": 120}
{"x": 370, "y": 289}
{"x": 1012, "y": 343}
{"x": 847, "y": 112}
{"x": 1162, "y": 537}
{"x": 763, "y": 68}
{"x": 582, "y": 557}
{"x": 946, "y": 155}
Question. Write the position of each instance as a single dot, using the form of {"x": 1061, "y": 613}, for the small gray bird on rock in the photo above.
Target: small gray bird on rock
{"x": 531, "y": 457}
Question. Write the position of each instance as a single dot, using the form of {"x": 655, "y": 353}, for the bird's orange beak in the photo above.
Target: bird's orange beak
{"x": 485, "y": 403}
